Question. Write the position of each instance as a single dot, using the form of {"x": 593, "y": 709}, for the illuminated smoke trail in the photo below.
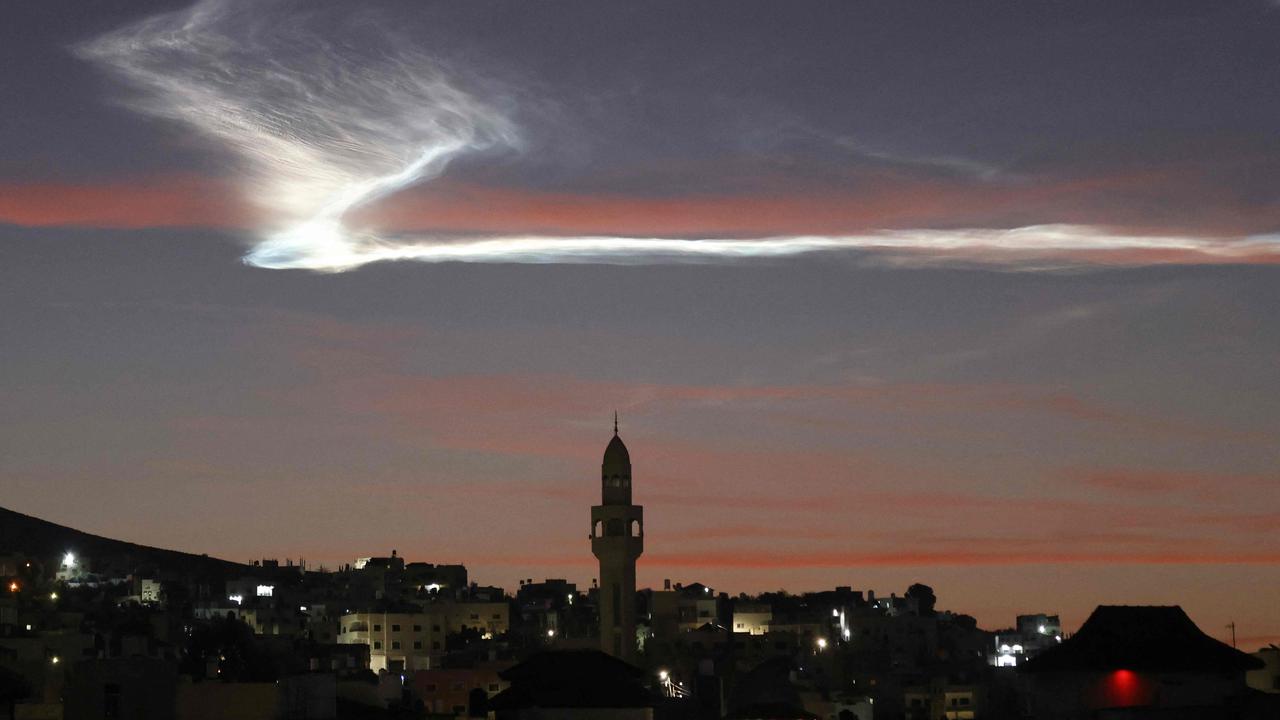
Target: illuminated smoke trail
{"x": 323, "y": 126}
{"x": 326, "y": 126}
{"x": 1034, "y": 247}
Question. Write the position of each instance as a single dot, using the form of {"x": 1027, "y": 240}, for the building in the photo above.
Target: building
{"x": 457, "y": 691}
{"x": 752, "y": 618}
{"x": 617, "y": 539}
{"x": 1266, "y": 678}
{"x": 1033, "y": 635}
{"x": 950, "y": 698}
{"x": 579, "y": 684}
{"x": 491, "y": 619}
{"x": 398, "y": 642}
{"x": 1138, "y": 662}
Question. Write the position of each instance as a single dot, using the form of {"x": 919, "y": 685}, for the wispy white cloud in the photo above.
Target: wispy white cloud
{"x": 326, "y": 123}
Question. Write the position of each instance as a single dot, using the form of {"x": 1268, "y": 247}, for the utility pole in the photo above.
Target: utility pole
{"x": 1232, "y": 625}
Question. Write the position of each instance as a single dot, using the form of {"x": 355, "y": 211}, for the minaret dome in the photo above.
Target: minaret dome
{"x": 615, "y": 472}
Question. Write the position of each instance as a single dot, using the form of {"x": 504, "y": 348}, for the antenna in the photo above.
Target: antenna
{"x": 615, "y": 422}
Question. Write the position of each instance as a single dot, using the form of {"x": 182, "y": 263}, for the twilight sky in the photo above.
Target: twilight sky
{"x": 981, "y": 295}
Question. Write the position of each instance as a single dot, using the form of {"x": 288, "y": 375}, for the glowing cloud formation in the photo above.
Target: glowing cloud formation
{"x": 325, "y": 126}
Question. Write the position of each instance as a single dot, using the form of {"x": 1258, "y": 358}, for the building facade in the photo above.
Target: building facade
{"x": 398, "y": 642}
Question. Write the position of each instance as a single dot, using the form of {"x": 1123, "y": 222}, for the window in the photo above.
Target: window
{"x": 493, "y": 687}
{"x": 395, "y": 628}
{"x": 417, "y": 628}
{"x": 497, "y": 616}
{"x": 475, "y": 616}
{"x": 417, "y": 644}
{"x": 435, "y": 646}
{"x": 111, "y": 701}
{"x": 435, "y": 628}
{"x": 377, "y": 628}
{"x": 377, "y": 644}
{"x": 395, "y": 644}
{"x": 964, "y": 701}
{"x": 344, "y": 628}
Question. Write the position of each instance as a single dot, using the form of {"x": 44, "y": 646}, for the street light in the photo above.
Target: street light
{"x": 663, "y": 675}
{"x": 551, "y": 632}
{"x": 13, "y": 587}
{"x": 822, "y": 643}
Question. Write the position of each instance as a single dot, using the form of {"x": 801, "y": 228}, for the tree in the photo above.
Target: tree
{"x": 924, "y": 597}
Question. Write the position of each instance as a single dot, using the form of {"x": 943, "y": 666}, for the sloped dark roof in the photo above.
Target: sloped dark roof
{"x": 771, "y": 711}
{"x": 1141, "y": 637}
{"x": 572, "y": 679}
{"x": 766, "y": 693}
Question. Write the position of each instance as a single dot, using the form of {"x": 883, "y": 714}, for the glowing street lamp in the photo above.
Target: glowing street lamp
{"x": 663, "y": 675}
{"x": 69, "y": 560}
{"x": 53, "y": 596}
{"x": 551, "y": 632}
{"x": 13, "y": 587}
{"x": 822, "y": 643}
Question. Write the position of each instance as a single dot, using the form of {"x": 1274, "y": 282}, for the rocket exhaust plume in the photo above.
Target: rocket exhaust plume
{"x": 325, "y": 125}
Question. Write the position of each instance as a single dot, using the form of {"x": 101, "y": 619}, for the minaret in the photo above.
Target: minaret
{"x": 617, "y": 539}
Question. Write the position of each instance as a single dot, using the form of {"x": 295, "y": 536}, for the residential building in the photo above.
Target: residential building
{"x": 753, "y": 619}
{"x": 398, "y": 642}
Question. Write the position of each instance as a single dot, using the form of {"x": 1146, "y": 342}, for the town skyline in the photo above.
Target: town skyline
{"x": 959, "y": 294}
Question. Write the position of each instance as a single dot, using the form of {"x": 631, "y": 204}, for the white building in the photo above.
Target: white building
{"x": 752, "y": 619}
{"x": 398, "y": 642}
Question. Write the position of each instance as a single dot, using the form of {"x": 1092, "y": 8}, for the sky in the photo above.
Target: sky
{"x": 981, "y": 295}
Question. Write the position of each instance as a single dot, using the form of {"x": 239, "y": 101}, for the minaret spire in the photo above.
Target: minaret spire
{"x": 617, "y": 539}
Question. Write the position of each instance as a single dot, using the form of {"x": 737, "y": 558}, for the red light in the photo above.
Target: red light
{"x": 1125, "y": 688}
